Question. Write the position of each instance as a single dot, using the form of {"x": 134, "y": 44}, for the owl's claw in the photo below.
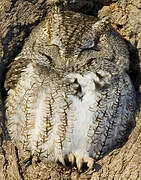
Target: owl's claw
{"x": 71, "y": 158}
{"x": 90, "y": 164}
{"x": 80, "y": 161}
{"x": 89, "y": 161}
{"x": 61, "y": 160}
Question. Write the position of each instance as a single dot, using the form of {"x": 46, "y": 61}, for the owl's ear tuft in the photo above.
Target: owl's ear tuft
{"x": 101, "y": 26}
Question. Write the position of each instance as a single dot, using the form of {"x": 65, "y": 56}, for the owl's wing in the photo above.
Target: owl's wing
{"x": 115, "y": 116}
{"x": 14, "y": 72}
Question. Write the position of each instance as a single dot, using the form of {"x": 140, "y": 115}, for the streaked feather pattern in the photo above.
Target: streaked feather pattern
{"x": 69, "y": 95}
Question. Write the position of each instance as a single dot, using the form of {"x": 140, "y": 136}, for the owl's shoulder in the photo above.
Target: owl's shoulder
{"x": 15, "y": 70}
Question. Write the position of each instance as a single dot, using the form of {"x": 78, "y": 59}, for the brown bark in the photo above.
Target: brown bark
{"x": 17, "y": 18}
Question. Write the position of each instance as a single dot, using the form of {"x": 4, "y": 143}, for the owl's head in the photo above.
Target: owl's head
{"x": 70, "y": 41}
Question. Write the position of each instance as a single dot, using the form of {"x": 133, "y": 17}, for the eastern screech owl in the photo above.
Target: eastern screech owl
{"x": 69, "y": 94}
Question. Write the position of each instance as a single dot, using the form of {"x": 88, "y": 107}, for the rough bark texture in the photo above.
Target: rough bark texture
{"x": 17, "y": 18}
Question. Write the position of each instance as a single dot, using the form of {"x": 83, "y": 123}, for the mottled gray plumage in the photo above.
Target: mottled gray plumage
{"x": 69, "y": 95}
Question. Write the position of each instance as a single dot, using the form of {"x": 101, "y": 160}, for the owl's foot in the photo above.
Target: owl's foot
{"x": 89, "y": 161}
{"x": 80, "y": 161}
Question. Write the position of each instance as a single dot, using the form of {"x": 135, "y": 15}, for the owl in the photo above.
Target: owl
{"x": 70, "y": 97}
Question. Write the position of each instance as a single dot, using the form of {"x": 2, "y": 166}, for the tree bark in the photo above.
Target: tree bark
{"x": 17, "y": 19}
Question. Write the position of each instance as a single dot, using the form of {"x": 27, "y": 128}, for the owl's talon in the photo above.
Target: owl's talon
{"x": 71, "y": 158}
{"x": 61, "y": 160}
{"x": 79, "y": 163}
{"x": 90, "y": 162}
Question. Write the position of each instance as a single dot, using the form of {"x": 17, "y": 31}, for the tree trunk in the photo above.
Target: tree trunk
{"x": 17, "y": 19}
